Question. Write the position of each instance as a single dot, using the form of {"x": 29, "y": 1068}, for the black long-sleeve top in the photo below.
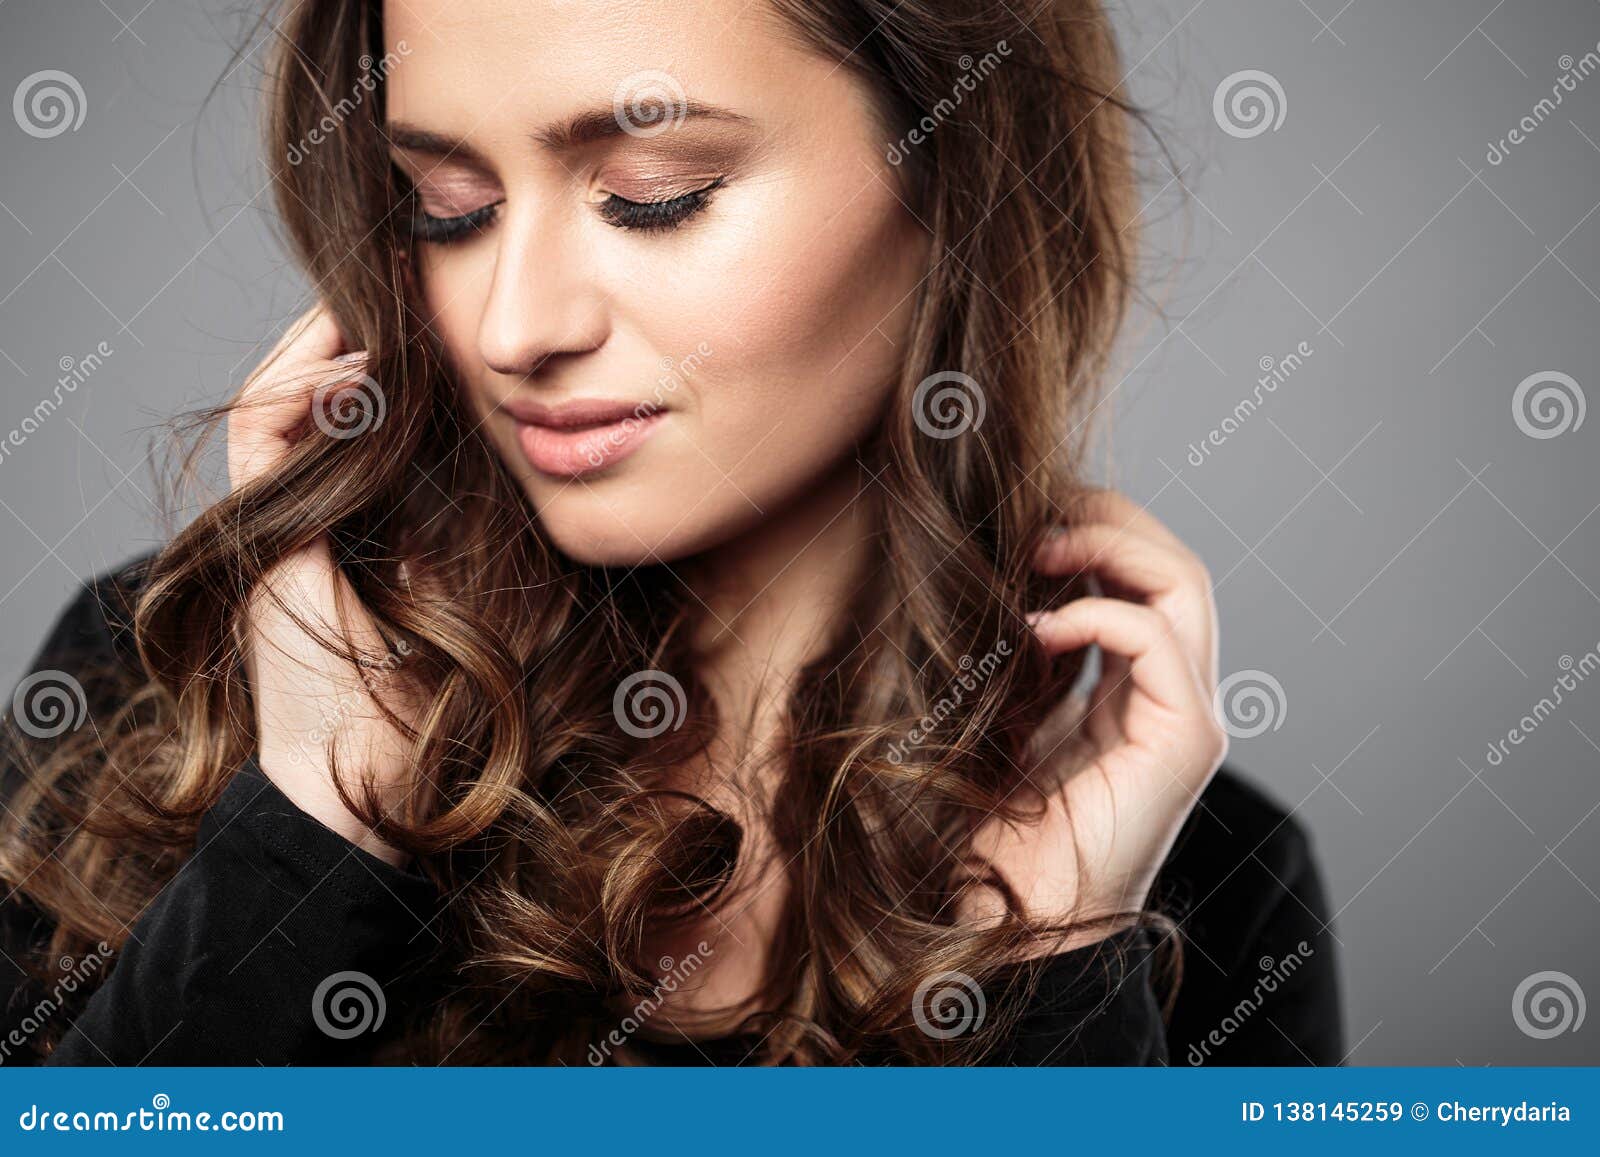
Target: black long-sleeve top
{"x": 277, "y": 940}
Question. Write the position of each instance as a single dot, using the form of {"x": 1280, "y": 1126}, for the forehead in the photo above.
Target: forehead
{"x": 463, "y": 57}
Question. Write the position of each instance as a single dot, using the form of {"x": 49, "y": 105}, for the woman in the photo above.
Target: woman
{"x": 647, "y": 619}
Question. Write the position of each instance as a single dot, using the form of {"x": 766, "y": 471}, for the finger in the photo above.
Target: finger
{"x": 1139, "y": 562}
{"x": 1140, "y": 634}
{"x": 1119, "y": 510}
{"x": 1116, "y": 675}
{"x": 1174, "y": 581}
{"x": 262, "y": 426}
{"x": 272, "y": 409}
{"x": 313, "y": 336}
{"x": 312, "y": 342}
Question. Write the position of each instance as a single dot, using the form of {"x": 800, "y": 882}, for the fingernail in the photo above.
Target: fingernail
{"x": 1032, "y": 617}
{"x": 356, "y": 356}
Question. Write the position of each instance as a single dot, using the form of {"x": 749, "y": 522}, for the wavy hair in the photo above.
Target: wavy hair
{"x": 559, "y": 836}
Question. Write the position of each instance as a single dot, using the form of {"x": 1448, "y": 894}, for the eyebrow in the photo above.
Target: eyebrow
{"x": 584, "y": 128}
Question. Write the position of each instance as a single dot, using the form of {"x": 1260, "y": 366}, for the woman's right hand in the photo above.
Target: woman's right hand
{"x": 305, "y": 695}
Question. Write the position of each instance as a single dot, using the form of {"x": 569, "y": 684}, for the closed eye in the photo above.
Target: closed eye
{"x": 443, "y": 230}
{"x": 640, "y": 216}
{"x": 656, "y": 216}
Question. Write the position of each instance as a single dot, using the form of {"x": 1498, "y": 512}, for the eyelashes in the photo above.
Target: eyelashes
{"x": 656, "y": 216}
{"x": 443, "y": 230}
{"x": 636, "y": 216}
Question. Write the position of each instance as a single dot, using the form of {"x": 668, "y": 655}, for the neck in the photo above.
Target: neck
{"x": 771, "y": 599}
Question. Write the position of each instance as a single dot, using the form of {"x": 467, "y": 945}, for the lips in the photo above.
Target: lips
{"x": 583, "y": 436}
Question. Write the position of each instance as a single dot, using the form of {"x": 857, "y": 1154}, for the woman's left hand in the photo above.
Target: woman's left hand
{"x": 1153, "y": 740}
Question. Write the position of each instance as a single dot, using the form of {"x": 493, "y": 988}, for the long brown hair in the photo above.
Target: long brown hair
{"x": 554, "y": 832}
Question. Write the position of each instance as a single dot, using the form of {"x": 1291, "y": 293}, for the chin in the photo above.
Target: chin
{"x": 619, "y": 532}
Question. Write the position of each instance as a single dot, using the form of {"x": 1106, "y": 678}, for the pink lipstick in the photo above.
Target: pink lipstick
{"x": 581, "y": 436}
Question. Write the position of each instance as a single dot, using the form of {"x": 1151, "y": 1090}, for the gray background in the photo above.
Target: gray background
{"x": 1387, "y": 543}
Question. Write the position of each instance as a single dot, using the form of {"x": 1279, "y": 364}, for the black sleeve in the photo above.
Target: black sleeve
{"x": 276, "y": 941}
{"x": 1094, "y": 1005}
{"x": 1261, "y": 972}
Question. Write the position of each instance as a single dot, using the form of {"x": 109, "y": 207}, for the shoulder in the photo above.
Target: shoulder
{"x": 1242, "y": 856}
{"x": 1260, "y": 958}
{"x": 1236, "y": 814}
{"x": 97, "y": 621}
{"x": 85, "y": 660}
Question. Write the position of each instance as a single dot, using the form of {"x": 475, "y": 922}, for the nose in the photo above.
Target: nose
{"x": 543, "y": 300}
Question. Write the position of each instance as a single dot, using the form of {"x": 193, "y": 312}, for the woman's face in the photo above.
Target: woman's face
{"x": 665, "y": 215}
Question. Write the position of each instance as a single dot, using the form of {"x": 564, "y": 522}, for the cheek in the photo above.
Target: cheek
{"x": 806, "y": 319}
